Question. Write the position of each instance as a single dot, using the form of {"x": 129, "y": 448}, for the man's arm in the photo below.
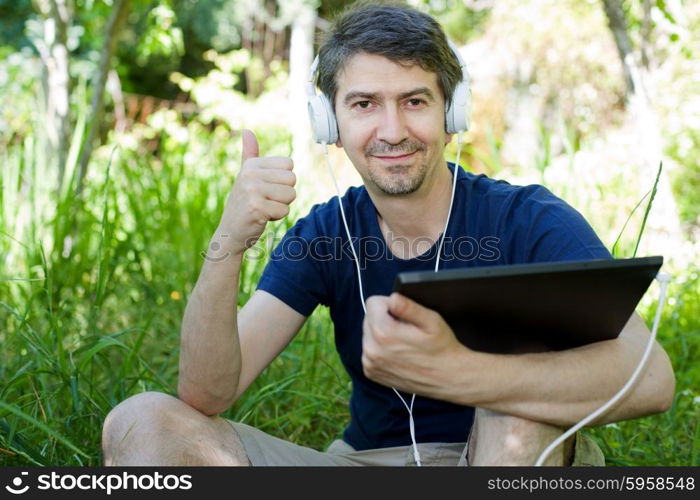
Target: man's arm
{"x": 562, "y": 387}
{"x": 223, "y": 353}
{"x": 218, "y": 360}
{"x": 266, "y": 325}
{"x": 418, "y": 352}
{"x": 210, "y": 353}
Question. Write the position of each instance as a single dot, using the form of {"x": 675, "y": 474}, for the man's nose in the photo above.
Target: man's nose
{"x": 392, "y": 125}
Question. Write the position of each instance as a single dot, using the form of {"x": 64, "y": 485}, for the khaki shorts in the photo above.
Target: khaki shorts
{"x": 265, "y": 450}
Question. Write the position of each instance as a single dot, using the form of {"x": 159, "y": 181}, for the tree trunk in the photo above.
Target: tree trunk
{"x": 300, "y": 58}
{"x": 52, "y": 47}
{"x": 114, "y": 87}
{"x": 618, "y": 27}
{"x": 646, "y": 33}
{"x": 120, "y": 10}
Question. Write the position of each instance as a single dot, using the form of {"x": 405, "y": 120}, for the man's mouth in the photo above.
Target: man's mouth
{"x": 394, "y": 158}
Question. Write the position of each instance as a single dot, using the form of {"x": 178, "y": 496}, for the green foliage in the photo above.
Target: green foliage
{"x": 188, "y": 29}
{"x": 460, "y": 21}
{"x": 686, "y": 180}
{"x": 672, "y": 48}
{"x": 161, "y": 38}
{"x": 91, "y": 295}
{"x": 20, "y": 80}
{"x": 100, "y": 320}
{"x": 12, "y": 16}
{"x": 211, "y": 23}
{"x": 218, "y": 99}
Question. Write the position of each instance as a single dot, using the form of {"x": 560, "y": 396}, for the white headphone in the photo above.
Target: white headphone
{"x": 325, "y": 127}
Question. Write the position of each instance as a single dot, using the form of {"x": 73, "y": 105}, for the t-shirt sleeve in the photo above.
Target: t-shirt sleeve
{"x": 549, "y": 229}
{"x": 294, "y": 274}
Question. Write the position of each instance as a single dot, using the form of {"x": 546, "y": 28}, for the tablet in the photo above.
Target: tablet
{"x": 534, "y": 307}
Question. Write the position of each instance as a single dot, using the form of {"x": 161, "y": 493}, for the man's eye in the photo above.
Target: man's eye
{"x": 363, "y": 104}
{"x": 415, "y": 102}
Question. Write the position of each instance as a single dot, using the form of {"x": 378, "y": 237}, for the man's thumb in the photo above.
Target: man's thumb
{"x": 405, "y": 309}
{"x": 250, "y": 145}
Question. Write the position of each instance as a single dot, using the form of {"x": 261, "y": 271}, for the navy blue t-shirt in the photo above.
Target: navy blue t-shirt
{"x": 492, "y": 223}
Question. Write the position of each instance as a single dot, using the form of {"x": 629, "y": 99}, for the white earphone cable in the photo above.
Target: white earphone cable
{"x": 452, "y": 199}
{"x": 345, "y": 223}
{"x": 663, "y": 280}
{"x": 409, "y": 408}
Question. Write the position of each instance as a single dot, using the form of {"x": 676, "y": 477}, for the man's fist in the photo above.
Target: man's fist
{"x": 409, "y": 347}
{"x": 262, "y": 192}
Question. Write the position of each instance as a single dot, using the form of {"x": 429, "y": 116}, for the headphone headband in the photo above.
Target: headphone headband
{"x": 310, "y": 88}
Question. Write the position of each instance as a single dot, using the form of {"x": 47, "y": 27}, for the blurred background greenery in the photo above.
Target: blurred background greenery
{"x": 119, "y": 140}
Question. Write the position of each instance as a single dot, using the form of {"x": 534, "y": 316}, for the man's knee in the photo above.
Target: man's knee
{"x": 153, "y": 426}
{"x": 147, "y": 408}
{"x": 147, "y": 412}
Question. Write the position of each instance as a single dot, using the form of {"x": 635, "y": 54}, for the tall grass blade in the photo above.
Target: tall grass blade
{"x": 43, "y": 427}
{"x": 646, "y": 212}
{"x": 624, "y": 226}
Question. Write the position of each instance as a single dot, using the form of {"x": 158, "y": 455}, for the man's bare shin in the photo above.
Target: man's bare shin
{"x": 499, "y": 439}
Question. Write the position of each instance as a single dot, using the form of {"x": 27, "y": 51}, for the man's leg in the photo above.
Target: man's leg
{"x": 156, "y": 429}
{"x": 499, "y": 439}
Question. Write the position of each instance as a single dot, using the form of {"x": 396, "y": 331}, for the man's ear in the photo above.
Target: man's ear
{"x": 448, "y": 138}
{"x": 338, "y": 143}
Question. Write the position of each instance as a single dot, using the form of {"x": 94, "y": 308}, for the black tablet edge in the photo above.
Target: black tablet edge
{"x": 412, "y": 277}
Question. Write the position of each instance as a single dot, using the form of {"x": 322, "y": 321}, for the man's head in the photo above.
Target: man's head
{"x": 394, "y": 31}
{"x": 388, "y": 71}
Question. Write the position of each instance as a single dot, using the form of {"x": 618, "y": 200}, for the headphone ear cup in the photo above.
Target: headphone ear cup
{"x": 459, "y": 109}
{"x": 332, "y": 123}
{"x": 323, "y": 124}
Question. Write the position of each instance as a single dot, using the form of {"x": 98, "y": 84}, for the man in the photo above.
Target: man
{"x": 388, "y": 73}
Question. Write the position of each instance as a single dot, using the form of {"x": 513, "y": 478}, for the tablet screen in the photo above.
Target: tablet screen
{"x": 534, "y": 307}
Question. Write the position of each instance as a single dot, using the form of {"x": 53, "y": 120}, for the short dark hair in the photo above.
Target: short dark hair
{"x": 393, "y": 30}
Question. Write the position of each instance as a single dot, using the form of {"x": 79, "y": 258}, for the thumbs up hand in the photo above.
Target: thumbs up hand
{"x": 262, "y": 192}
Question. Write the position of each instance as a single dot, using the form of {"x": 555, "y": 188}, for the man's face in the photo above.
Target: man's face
{"x": 391, "y": 120}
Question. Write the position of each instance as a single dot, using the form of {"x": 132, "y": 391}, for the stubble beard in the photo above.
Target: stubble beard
{"x": 397, "y": 180}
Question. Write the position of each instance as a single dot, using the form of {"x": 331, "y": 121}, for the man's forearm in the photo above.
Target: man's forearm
{"x": 561, "y": 388}
{"x": 210, "y": 355}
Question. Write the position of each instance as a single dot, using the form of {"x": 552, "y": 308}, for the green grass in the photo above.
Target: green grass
{"x": 673, "y": 437}
{"x": 93, "y": 291}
